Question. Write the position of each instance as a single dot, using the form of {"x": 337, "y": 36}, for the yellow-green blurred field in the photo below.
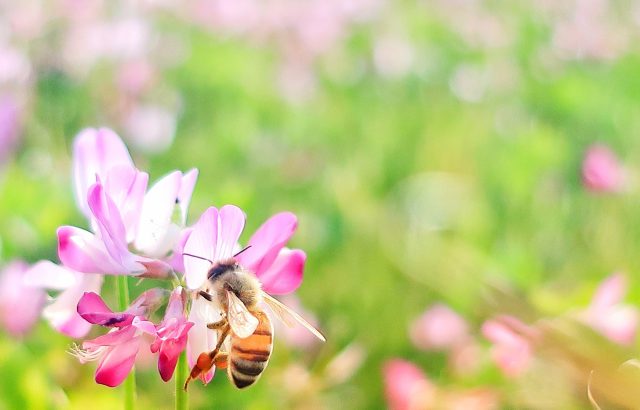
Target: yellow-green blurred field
{"x": 432, "y": 151}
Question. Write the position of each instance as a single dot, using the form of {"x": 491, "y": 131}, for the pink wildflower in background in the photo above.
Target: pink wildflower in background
{"x": 512, "y": 351}
{"x": 608, "y": 315}
{"x": 406, "y": 387}
{"x": 601, "y": 170}
{"x": 20, "y": 304}
{"x": 439, "y": 328}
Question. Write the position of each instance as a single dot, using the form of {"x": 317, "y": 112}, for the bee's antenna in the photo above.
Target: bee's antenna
{"x": 244, "y": 249}
{"x": 199, "y": 257}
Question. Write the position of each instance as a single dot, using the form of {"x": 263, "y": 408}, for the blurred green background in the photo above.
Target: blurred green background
{"x": 432, "y": 151}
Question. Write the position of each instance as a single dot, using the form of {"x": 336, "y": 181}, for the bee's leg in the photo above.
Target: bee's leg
{"x": 217, "y": 325}
{"x": 221, "y": 360}
{"x": 207, "y": 360}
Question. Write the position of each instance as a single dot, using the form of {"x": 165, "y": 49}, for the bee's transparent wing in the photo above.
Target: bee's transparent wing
{"x": 242, "y": 322}
{"x": 288, "y": 316}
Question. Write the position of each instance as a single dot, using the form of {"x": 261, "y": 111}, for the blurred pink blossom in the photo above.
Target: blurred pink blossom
{"x": 608, "y": 315}
{"x": 20, "y": 304}
{"x": 9, "y": 126}
{"x": 439, "y": 328}
{"x": 512, "y": 351}
{"x": 296, "y": 336}
{"x": 406, "y": 387}
{"x": 601, "y": 170}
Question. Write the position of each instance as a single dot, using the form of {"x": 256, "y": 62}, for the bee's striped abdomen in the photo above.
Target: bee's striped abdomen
{"x": 249, "y": 356}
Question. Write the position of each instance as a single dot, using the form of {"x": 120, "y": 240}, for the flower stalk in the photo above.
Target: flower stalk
{"x": 122, "y": 287}
{"x": 182, "y": 371}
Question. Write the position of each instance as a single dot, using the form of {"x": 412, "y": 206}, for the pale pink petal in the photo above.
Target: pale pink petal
{"x": 117, "y": 363}
{"x": 147, "y": 302}
{"x": 200, "y": 338}
{"x": 20, "y": 305}
{"x": 601, "y": 170}
{"x": 84, "y": 252}
{"x": 94, "y": 153}
{"x": 267, "y": 242}
{"x": 186, "y": 190}
{"x": 439, "y": 328}
{"x": 48, "y": 275}
{"x": 511, "y": 352}
{"x": 406, "y": 387}
{"x": 231, "y": 221}
{"x": 175, "y": 307}
{"x": 157, "y": 233}
{"x": 126, "y": 187}
{"x": 201, "y": 243}
{"x": 111, "y": 227}
{"x": 144, "y": 325}
{"x": 176, "y": 261}
{"x": 285, "y": 274}
{"x": 112, "y": 338}
{"x": 62, "y": 313}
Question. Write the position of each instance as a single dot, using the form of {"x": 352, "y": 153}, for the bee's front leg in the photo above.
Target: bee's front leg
{"x": 220, "y": 324}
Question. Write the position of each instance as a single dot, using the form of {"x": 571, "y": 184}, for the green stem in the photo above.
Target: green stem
{"x": 122, "y": 285}
{"x": 182, "y": 372}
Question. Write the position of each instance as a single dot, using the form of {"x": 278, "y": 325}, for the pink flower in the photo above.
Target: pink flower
{"x": 122, "y": 215}
{"x": 406, "y": 387}
{"x": 606, "y": 313}
{"x": 601, "y": 170}
{"x": 439, "y": 328}
{"x": 9, "y": 127}
{"x": 117, "y": 349}
{"x": 215, "y": 237}
{"x": 20, "y": 304}
{"x": 511, "y": 351}
{"x": 62, "y": 312}
{"x": 171, "y": 335}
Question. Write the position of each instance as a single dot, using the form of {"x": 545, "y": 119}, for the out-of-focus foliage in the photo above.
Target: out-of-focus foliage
{"x": 432, "y": 151}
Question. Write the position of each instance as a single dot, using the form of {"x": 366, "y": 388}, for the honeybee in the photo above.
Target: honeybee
{"x": 245, "y": 324}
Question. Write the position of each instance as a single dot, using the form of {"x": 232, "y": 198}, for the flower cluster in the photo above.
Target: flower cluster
{"x": 141, "y": 231}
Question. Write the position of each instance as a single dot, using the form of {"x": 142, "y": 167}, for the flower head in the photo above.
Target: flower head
{"x": 20, "y": 303}
{"x": 406, "y": 387}
{"x": 512, "y": 351}
{"x": 601, "y": 170}
{"x": 439, "y": 328}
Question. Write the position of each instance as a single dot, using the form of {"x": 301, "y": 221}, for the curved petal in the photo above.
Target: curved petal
{"x": 176, "y": 261}
{"x": 201, "y": 243}
{"x": 267, "y": 242}
{"x": 92, "y": 308}
{"x": 200, "y": 338}
{"x": 126, "y": 187}
{"x": 110, "y": 225}
{"x": 62, "y": 313}
{"x": 186, "y": 190}
{"x": 84, "y": 252}
{"x": 48, "y": 275}
{"x": 20, "y": 304}
{"x": 231, "y": 221}
{"x": 156, "y": 231}
{"x": 95, "y": 151}
{"x": 610, "y": 292}
{"x": 285, "y": 274}
{"x": 117, "y": 363}
{"x": 147, "y": 302}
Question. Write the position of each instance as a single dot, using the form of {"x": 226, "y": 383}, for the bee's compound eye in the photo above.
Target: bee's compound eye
{"x": 218, "y": 270}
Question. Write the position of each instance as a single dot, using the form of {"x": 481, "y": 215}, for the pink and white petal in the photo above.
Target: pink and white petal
{"x": 285, "y": 274}
{"x": 14, "y": 292}
{"x": 267, "y": 242}
{"x": 186, "y": 190}
{"x": 95, "y": 151}
{"x": 201, "y": 243}
{"x": 147, "y": 302}
{"x": 200, "y": 338}
{"x": 84, "y": 252}
{"x": 126, "y": 187}
{"x": 62, "y": 313}
{"x": 156, "y": 217}
{"x": 112, "y": 338}
{"x": 117, "y": 363}
{"x": 47, "y": 275}
{"x": 175, "y": 307}
{"x": 176, "y": 261}
{"x": 231, "y": 221}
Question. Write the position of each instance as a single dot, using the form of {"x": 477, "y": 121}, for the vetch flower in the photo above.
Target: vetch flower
{"x": 439, "y": 328}
{"x": 116, "y": 350}
{"x": 607, "y": 315}
{"x": 20, "y": 304}
{"x": 171, "y": 334}
{"x": 215, "y": 237}
{"x": 122, "y": 215}
{"x": 406, "y": 387}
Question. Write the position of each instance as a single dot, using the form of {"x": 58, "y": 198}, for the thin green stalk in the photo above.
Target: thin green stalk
{"x": 182, "y": 371}
{"x": 122, "y": 285}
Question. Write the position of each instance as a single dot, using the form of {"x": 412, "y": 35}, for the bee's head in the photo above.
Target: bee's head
{"x": 222, "y": 267}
